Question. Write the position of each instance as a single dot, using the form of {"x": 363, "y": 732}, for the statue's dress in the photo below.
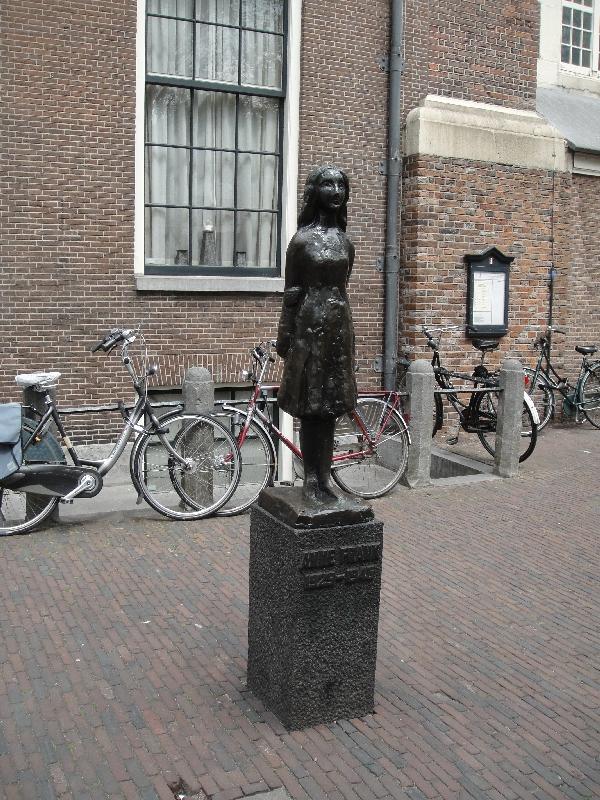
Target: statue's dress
{"x": 318, "y": 376}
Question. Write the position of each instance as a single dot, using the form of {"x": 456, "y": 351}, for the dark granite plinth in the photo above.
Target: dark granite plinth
{"x": 314, "y": 612}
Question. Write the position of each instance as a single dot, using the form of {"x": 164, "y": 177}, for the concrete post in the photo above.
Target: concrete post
{"x": 510, "y": 419}
{"x": 420, "y": 386}
{"x": 198, "y": 394}
{"x": 31, "y": 399}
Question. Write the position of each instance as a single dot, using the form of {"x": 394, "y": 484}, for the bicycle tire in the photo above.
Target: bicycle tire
{"x": 210, "y": 478}
{"x": 258, "y": 461}
{"x": 590, "y": 395}
{"x": 485, "y": 413}
{"x": 542, "y": 395}
{"x": 438, "y": 414}
{"x": 358, "y": 467}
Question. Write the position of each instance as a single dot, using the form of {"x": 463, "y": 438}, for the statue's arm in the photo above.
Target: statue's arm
{"x": 351, "y": 251}
{"x": 291, "y": 298}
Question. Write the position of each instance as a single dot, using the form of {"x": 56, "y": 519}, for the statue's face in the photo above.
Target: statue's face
{"x": 331, "y": 191}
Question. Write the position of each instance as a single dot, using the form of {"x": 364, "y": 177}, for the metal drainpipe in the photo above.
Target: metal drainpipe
{"x": 394, "y": 174}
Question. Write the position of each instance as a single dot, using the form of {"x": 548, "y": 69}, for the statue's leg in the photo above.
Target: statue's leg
{"x": 327, "y": 430}
{"x": 316, "y": 443}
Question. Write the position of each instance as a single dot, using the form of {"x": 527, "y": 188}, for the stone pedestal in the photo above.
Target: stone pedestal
{"x": 315, "y": 581}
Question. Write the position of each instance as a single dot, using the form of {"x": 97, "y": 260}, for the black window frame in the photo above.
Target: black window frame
{"x": 236, "y": 89}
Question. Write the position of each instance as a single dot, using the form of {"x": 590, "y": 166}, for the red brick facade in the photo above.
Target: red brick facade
{"x": 67, "y": 130}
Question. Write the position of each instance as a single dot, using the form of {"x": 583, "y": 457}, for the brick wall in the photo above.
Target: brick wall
{"x": 452, "y": 208}
{"x": 481, "y": 50}
{"x": 577, "y": 285}
{"x": 67, "y": 185}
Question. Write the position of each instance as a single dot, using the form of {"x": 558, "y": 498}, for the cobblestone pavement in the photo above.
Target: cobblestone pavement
{"x": 123, "y": 654}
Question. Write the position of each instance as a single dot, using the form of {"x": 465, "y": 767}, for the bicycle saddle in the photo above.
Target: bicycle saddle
{"x": 485, "y": 345}
{"x": 586, "y": 350}
{"x": 39, "y": 380}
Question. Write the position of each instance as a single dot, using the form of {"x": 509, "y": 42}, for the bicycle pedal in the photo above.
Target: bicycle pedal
{"x": 452, "y": 440}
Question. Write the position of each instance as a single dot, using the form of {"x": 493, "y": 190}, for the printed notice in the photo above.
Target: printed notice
{"x": 488, "y": 298}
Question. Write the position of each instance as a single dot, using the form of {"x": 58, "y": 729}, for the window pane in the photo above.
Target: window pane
{"x": 172, "y": 8}
{"x": 576, "y": 38}
{"x": 586, "y": 58}
{"x": 566, "y": 35}
{"x": 167, "y": 236}
{"x": 565, "y": 52}
{"x": 167, "y": 115}
{"x": 258, "y": 123}
{"x": 214, "y": 119}
{"x": 216, "y": 53}
{"x": 169, "y": 47}
{"x": 212, "y": 238}
{"x": 576, "y": 18}
{"x": 576, "y": 56}
{"x": 587, "y": 40}
{"x": 167, "y": 175}
{"x": 587, "y": 21}
{"x": 213, "y": 178}
{"x": 257, "y": 181}
{"x": 267, "y": 15}
{"x": 227, "y": 12}
{"x": 256, "y": 239}
{"x": 262, "y": 57}
{"x": 566, "y": 15}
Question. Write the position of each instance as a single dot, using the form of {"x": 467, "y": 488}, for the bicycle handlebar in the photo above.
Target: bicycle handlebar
{"x": 112, "y": 339}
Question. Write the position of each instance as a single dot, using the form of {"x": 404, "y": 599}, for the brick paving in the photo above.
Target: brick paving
{"x": 123, "y": 654}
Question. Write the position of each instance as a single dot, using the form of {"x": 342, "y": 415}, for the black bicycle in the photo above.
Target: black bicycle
{"x": 186, "y": 466}
{"x": 581, "y": 400}
{"x": 480, "y": 414}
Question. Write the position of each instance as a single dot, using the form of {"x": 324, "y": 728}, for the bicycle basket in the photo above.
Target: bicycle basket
{"x": 11, "y": 453}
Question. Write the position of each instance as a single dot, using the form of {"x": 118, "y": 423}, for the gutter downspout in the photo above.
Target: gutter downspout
{"x": 394, "y": 174}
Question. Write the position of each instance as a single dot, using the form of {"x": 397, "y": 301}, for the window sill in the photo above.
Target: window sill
{"x": 207, "y": 283}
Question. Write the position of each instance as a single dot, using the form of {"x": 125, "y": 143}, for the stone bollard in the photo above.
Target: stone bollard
{"x": 34, "y": 502}
{"x": 420, "y": 386}
{"x": 510, "y": 419}
{"x": 198, "y": 394}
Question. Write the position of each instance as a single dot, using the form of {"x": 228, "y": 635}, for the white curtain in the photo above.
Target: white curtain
{"x": 213, "y": 117}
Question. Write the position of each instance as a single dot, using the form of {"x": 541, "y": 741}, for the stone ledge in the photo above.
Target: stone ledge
{"x": 463, "y": 129}
{"x": 208, "y": 283}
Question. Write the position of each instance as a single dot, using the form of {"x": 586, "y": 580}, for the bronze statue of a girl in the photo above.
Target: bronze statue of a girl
{"x": 316, "y": 336}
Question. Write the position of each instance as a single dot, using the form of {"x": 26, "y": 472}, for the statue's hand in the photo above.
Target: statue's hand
{"x": 282, "y": 345}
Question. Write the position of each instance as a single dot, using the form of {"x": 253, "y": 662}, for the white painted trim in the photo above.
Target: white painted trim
{"x": 586, "y": 164}
{"x": 140, "y": 92}
{"x": 207, "y": 283}
{"x": 289, "y": 189}
{"x": 462, "y": 129}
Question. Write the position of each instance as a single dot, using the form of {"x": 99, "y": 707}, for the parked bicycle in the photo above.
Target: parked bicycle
{"x": 370, "y": 444}
{"x": 184, "y": 465}
{"x": 581, "y": 400}
{"x": 480, "y": 414}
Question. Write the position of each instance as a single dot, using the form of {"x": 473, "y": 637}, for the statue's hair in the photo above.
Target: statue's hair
{"x": 309, "y": 211}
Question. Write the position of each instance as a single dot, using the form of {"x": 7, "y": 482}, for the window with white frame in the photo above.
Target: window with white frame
{"x": 579, "y": 38}
{"x": 215, "y": 90}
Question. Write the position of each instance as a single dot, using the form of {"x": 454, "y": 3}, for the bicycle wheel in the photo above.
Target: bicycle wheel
{"x": 203, "y": 483}
{"x": 258, "y": 461}
{"x": 370, "y": 449}
{"x": 542, "y": 395}
{"x": 438, "y": 414}
{"x": 21, "y": 512}
{"x": 486, "y": 418}
{"x": 590, "y": 395}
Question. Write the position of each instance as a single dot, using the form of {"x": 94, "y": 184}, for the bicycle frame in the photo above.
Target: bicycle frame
{"x": 253, "y": 410}
{"x": 142, "y": 407}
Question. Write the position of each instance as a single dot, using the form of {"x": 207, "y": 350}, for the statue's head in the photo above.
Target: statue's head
{"x": 312, "y": 198}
